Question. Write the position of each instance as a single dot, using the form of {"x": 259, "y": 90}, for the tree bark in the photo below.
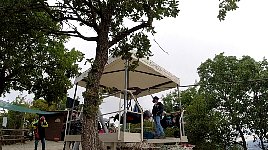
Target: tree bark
{"x": 90, "y": 136}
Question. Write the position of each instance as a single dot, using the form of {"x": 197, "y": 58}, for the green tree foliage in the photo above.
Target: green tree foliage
{"x": 30, "y": 58}
{"x": 202, "y": 123}
{"x": 174, "y": 100}
{"x": 258, "y": 109}
{"x": 225, "y": 6}
{"x": 225, "y": 79}
{"x": 230, "y": 102}
{"x": 15, "y": 118}
{"x": 41, "y": 104}
{"x": 171, "y": 102}
{"x": 237, "y": 88}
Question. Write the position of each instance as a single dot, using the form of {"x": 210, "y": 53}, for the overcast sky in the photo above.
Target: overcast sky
{"x": 196, "y": 35}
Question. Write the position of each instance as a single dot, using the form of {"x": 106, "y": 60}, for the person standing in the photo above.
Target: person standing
{"x": 158, "y": 109}
{"x": 39, "y": 132}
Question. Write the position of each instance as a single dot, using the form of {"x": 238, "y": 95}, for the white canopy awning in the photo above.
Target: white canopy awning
{"x": 148, "y": 78}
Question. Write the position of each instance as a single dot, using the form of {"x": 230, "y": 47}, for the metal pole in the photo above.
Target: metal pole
{"x": 102, "y": 122}
{"x": 66, "y": 125}
{"x": 181, "y": 111}
{"x": 66, "y": 128}
{"x": 125, "y": 96}
{"x": 71, "y": 115}
{"x": 178, "y": 89}
{"x": 119, "y": 119}
{"x": 183, "y": 132}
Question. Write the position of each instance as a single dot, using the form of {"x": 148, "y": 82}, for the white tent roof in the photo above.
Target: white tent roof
{"x": 148, "y": 77}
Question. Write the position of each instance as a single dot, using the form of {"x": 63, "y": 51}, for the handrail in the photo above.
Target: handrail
{"x": 140, "y": 109}
{"x": 125, "y": 111}
{"x": 111, "y": 113}
{"x": 15, "y": 129}
{"x": 181, "y": 124}
{"x": 112, "y": 94}
{"x": 134, "y": 112}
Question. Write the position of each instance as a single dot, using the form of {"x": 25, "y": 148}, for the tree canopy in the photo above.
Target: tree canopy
{"x": 31, "y": 58}
{"x": 230, "y": 102}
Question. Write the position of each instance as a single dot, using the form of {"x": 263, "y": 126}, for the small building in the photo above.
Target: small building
{"x": 56, "y": 125}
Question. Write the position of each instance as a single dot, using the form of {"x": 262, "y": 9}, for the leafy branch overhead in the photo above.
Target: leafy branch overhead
{"x": 30, "y": 58}
{"x": 96, "y": 14}
{"x": 225, "y": 6}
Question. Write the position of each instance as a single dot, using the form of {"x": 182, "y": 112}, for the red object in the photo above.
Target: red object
{"x": 56, "y": 139}
{"x": 101, "y": 131}
{"x": 42, "y": 118}
{"x": 36, "y": 134}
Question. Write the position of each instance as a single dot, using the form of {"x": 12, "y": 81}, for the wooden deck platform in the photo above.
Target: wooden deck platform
{"x": 124, "y": 137}
{"x": 110, "y": 137}
{"x": 166, "y": 140}
{"x": 128, "y": 138}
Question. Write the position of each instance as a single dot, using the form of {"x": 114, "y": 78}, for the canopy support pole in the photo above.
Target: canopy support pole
{"x": 182, "y": 132}
{"x": 178, "y": 94}
{"x": 125, "y": 96}
{"x": 102, "y": 122}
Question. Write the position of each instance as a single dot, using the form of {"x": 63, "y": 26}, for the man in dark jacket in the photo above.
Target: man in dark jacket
{"x": 39, "y": 132}
{"x": 157, "y": 112}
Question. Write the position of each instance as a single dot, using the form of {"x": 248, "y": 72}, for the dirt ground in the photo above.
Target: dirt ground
{"x": 50, "y": 145}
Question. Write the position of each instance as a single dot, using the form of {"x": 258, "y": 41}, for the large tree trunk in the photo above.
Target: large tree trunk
{"x": 90, "y": 136}
{"x": 90, "y": 133}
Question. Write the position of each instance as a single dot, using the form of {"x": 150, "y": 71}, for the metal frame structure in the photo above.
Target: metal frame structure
{"x": 112, "y": 139}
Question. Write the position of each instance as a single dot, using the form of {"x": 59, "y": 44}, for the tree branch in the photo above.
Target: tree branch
{"x": 94, "y": 13}
{"x": 124, "y": 34}
{"x": 80, "y": 19}
{"x": 74, "y": 33}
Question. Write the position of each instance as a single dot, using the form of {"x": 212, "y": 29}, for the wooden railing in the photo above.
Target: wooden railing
{"x": 10, "y": 136}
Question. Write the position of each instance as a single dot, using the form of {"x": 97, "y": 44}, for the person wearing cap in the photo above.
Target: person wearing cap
{"x": 39, "y": 132}
{"x": 157, "y": 112}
